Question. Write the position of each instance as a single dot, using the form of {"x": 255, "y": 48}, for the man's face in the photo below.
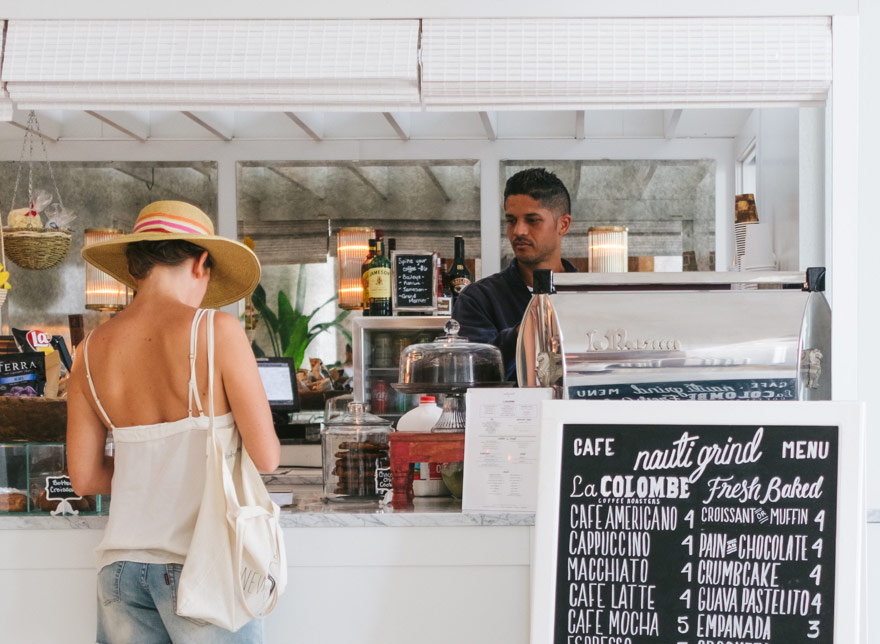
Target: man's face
{"x": 535, "y": 234}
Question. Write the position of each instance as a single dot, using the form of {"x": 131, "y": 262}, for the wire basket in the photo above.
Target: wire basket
{"x": 36, "y": 249}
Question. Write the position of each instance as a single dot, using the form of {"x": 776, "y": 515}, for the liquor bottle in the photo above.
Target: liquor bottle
{"x": 444, "y": 296}
{"x": 459, "y": 275}
{"x": 379, "y": 278}
{"x": 392, "y": 245}
{"x": 365, "y": 267}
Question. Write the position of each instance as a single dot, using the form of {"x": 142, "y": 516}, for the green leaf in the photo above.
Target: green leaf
{"x": 258, "y": 352}
{"x": 301, "y": 289}
{"x": 317, "y": 329}
{"x": 287, "y": 319}
{"x": 298, "y": 341}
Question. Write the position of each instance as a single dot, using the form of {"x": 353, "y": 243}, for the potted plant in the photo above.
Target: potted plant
{"x": 291, "y": 330}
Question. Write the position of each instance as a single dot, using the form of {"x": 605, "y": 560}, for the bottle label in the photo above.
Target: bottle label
{"x": 366, "y": 284}
{"x": 379, "y": 283}
{"x": 459, "y": 284}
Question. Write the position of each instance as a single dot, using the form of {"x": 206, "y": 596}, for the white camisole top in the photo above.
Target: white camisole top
{"x": 159, "y": 475}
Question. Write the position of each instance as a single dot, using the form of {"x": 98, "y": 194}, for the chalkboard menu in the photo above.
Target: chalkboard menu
{"x": 414, "y": 281}
{"x": 697, "y": 534}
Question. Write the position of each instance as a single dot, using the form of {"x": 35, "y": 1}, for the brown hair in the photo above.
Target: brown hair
{"x": 144, "y": 255}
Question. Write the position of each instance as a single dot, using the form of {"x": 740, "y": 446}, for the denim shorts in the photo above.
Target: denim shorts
{"x": 137, "y": 603}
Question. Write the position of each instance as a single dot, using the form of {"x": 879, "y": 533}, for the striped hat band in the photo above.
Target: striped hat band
{"x": 160, "y": 222}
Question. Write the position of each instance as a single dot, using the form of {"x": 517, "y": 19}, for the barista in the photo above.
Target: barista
{"x": 537, "y": 212}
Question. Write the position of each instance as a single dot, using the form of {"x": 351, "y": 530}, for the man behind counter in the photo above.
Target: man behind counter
{"x": 537, "y": 211}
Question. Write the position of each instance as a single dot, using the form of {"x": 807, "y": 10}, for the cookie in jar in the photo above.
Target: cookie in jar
{"x": 356, "y": 464}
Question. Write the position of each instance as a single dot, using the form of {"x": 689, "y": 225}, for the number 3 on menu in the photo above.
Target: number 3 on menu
{"x": 814, "y": 629}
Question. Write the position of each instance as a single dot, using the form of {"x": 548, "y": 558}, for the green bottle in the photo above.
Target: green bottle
{"x": 379, "y": 279}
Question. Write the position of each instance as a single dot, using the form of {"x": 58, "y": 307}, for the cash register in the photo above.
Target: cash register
{"x": 299, "y": 432}
{"x": 279, "y": 381}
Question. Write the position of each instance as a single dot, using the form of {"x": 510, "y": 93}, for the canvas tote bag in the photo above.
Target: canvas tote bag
{"x": 236, "y": 566}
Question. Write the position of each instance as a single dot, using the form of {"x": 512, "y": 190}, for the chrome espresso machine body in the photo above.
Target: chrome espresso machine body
{"x": 713, "y": 336}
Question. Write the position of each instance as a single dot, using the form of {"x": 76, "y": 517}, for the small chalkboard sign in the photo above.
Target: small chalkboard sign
{"x": 59, "y": 488}
{"x": 690, "y": 531}
{"x": 414, "y": 281}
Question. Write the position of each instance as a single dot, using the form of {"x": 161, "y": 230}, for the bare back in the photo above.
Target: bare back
{"x": 140, "y": 366}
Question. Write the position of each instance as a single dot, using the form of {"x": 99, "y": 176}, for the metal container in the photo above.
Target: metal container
{"x": 767, "y": 344}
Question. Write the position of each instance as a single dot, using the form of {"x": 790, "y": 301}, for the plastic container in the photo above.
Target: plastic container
{"x": 427, "y": 480}
{"x": 355, "y": 456}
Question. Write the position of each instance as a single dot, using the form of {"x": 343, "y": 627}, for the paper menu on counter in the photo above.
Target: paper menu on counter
{"x": 501, "y": 444}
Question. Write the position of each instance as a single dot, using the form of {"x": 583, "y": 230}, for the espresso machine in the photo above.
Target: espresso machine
{"x": 685, "y": 336}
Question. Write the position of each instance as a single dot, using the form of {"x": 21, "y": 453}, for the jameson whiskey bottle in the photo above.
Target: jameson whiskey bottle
{"x": 379, "y": 282}
{"x": 365, "y": 267}
{"x": 459, "y": 276}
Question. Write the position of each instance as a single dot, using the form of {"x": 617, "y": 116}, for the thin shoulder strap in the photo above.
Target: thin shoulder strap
{"x": 211, "y": 365}
{"x": 193, "y": 392}
{"x": 92, "y": 384}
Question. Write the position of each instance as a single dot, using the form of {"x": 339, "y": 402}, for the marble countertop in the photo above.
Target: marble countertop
{"x": 298, "y": 492}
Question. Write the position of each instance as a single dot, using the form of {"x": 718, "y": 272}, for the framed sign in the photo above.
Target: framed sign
{"x": 413, "y": 281}
{"x": 700, "y": 522}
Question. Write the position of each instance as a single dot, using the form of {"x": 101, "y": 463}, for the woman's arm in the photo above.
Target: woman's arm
{"x": 244, "y": 391}
{"x": 90, "y": 470}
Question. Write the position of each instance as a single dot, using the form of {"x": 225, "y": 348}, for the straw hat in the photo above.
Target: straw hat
{"x": 236, "y": 270}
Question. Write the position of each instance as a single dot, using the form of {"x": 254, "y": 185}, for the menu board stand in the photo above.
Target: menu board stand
{"x": 699, "y": 522}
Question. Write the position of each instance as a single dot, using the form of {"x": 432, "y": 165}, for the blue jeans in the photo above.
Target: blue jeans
{"x": 137, "y": 604}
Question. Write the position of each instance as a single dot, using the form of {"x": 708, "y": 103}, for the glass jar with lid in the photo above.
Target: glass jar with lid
{"x": 355, "y": 456}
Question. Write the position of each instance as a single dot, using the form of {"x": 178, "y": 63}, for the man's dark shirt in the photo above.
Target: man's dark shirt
{"x": 490, "y": 309}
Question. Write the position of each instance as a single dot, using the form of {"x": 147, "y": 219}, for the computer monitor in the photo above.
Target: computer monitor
{"x": 279, "y": 380}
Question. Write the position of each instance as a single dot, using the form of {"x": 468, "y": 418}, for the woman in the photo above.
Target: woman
{"x": 144, "y": 376}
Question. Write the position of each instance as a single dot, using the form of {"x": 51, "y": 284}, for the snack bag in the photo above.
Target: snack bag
{"x": 33, "y": 340}
{"x": 22, "y": 374}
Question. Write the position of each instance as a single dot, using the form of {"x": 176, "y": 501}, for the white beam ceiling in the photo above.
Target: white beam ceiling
{"x": 124, "y": 122}
{"x": 314, "y": 129}
{"x": 490, "y": 124}
{"x": 220, "y": 125}
{"x": 155, "y": 127}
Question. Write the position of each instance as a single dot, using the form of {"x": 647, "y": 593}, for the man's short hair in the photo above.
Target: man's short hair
{"x": 543, "y": 186}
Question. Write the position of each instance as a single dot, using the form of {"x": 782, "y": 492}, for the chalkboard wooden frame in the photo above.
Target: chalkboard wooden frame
{"x": 850, "y": 502}
{"x": 394, "y": 301}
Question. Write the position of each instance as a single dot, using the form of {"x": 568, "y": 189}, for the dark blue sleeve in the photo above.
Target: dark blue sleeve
{"x": 473, "y": 314}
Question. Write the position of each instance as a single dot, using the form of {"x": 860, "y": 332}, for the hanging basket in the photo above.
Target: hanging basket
{"x": 36, "y": 249}
{"x": 2, "y": 296}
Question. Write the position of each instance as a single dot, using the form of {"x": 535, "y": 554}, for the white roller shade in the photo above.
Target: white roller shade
{"x": 351, "y": 65}
{"x": 546, "y": 64}
{"x": 5, "y": 102}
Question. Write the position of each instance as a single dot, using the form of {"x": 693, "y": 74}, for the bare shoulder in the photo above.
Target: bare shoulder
{"x": 227, "y": 326}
